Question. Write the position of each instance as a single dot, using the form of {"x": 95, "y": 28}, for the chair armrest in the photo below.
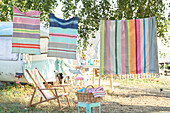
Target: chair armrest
{"x": 49, "y": 89}
{"x": 65, "y": 85}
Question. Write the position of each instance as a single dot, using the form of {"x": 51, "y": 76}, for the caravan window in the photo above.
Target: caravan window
{"x": 6, "y": 49}
{"x": 44, "y": 45}
{"x": 44, "y": 36}
{"x": 6, "y": 30}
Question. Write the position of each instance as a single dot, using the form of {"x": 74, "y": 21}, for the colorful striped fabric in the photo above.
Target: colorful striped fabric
{"x": 62, "y": 37}
{"x": 26, "y": 32}
{"x": 39, "y": 81}
{"x": 128, "y": 46}
{"x": 97, "y": 92}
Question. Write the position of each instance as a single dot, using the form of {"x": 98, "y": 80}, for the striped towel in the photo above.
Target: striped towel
{"x": 128, "y": 46}
{"x": 62, "y": 37}
{"x": 26, "y": 32}
{"x": 97, "y": 92}
{"x": 147, "y": 53}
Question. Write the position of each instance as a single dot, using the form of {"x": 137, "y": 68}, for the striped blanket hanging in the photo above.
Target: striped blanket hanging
{"x": 62, "y": 37}
{"x": 26, "y": 32}
{"x": 128, "y": 46}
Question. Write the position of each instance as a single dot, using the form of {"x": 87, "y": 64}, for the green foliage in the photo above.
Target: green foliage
{"x": 162, "y": 55}
{"x": 167, "y": 66}
{"x": 90, "y": 13}
{"x": 6, "y": 8}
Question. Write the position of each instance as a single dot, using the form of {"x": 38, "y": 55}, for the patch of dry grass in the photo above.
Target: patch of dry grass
{"x": 131, "y": 96}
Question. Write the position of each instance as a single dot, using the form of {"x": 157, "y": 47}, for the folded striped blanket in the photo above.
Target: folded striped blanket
{"x": 97, "y": 92}
{"x": 62, "y": 37}
{"x": 26, "y": 32}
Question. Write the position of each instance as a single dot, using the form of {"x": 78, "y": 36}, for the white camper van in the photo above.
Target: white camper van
{"x": 11, "y": 64}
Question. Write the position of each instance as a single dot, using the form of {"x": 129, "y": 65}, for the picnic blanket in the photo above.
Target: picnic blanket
{"x": 26, "y": 32}
{"x": 62, "y": 37}
{"x": 128, "y": 46}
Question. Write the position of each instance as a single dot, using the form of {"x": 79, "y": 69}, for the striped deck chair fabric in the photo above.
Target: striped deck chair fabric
{"x": 26, "y": 32}
{"x": 39, "y": 82}
{"x": 47, "y": 92}
{"x": 62, "y": 37}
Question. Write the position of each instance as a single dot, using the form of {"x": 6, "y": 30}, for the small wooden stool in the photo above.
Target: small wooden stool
{"x": 89, "y": 106}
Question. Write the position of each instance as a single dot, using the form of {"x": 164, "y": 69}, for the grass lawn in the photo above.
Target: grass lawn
{"x": 131, "y": 96}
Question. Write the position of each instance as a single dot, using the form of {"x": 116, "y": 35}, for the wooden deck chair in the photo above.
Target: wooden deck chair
{"x": 46, "y": 91}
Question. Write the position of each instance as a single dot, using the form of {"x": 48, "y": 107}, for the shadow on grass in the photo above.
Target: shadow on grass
{"x": 11, "y": 106}
{"x": 14, "y": 99}
{"x": 18, "y": 108}
{"x": 115, "y": 107}
{"x": 107, "y": 107}
{"x": 136, "y": 95}
{"x": 155, "y": 93}
{"x": 51, "y": 107}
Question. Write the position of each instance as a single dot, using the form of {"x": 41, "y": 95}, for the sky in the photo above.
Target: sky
{"x": 58, "y": 11}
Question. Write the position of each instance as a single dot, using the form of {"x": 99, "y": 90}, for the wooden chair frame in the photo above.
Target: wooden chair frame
{"x": 48, "y": 87}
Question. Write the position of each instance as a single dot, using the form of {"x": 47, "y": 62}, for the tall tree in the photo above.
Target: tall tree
{"x": 92, "y": 11}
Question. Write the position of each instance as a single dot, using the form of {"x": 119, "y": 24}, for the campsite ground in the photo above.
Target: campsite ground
{"x": 132, "y": 96}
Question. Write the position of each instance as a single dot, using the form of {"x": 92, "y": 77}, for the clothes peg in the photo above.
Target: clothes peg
{"x": 39, "y": 11}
